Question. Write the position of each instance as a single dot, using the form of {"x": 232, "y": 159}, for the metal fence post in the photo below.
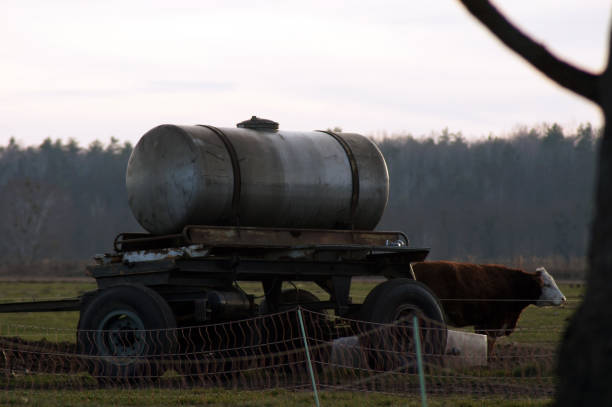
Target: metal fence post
{"x": 312, "y": 378}
{"x": 417, "y": 342}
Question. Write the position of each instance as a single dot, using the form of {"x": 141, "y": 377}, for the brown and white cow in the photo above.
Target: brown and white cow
{"x": 490, "y": 297}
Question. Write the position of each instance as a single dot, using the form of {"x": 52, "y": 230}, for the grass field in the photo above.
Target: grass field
{"x": 536, "y": 326}
{"x": 230, "y": 398}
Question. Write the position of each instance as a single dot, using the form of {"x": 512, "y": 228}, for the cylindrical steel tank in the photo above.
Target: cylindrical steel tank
{"x": 255, "y": 175}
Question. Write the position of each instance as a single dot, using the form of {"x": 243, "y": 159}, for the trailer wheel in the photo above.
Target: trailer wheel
{"x": 127, "y": 329}
{"x": 289, "y": 299}
{"x": 395, "y": 302}
{"x": 284, "y": 326}
{"x": 277, "y": 334}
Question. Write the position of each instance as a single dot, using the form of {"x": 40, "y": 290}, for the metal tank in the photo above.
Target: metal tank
{"x": 255, "y": 175}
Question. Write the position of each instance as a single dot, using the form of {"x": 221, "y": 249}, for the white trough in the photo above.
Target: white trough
{"x": 463, "y": 349}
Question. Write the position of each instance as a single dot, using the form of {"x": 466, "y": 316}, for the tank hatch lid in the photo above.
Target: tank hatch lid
{"x": 257, "y": 123}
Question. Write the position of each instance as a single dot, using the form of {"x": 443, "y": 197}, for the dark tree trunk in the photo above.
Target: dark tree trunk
{"x": 585, "y": 357}
{"x": 584, "y": 363}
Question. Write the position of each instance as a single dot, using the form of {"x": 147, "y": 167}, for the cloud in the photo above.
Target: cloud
{"x": 155, "y": 86}
{"x": 71, "y": 92}
{"x": 188, "y": 86}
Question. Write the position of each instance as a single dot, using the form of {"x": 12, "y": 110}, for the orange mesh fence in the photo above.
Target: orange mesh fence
{"x": 268, "y": 352}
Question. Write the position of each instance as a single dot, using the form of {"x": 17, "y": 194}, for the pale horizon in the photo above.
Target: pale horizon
{"x": 91, "y": 71}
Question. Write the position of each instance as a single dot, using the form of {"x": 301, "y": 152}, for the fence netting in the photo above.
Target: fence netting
{"x": 268, "y": 352}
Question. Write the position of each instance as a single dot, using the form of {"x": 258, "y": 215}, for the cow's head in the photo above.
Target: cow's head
{"x": 551, "y": 295}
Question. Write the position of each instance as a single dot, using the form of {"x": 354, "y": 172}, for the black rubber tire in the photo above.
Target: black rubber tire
{"x": 278, "y": 333}
{"x": 129, "y": 328}
{"x": 290, "y": 299}
{"x": 385, "y": 303}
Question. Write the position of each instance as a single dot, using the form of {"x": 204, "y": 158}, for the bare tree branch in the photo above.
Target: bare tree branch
{"x": 606, "y": 73}
{"x": 566, "y": 75}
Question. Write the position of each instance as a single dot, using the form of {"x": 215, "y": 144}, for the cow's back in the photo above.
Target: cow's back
{"x": 473, "y": 294}
{"x": 470, "y": 281}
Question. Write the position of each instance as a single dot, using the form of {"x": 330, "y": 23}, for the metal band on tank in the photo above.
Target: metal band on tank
{"x": 235, "y": 169}
{"x": 354, "y": 172}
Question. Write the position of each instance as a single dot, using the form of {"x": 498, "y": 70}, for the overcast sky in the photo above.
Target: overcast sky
{"x": 87, "y": 70}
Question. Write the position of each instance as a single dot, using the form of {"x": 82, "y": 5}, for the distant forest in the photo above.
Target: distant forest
{"x": 496, "y": 199}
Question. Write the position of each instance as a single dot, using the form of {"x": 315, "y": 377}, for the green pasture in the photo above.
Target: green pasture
{"x": 231, "y": 398}
{"x": 536, "y": 325}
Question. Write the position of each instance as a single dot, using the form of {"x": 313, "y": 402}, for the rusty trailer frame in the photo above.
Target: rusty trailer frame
{"x": 192, "y": 279}
{"x": 181, "y": 266}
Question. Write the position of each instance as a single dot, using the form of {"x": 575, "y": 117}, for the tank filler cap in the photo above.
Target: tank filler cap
{"x": 257, "y": 123}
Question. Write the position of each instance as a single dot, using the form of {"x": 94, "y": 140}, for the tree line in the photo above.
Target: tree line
{"x": 495, "y": 199}
{"x": 528, "y": 194}
{"x": 61, "y": 201}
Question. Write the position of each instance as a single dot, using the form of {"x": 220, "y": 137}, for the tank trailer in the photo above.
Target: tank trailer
{"x": 251, "y": 203}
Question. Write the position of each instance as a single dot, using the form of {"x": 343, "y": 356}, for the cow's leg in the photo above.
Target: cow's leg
{"x": 490, "y": 344}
